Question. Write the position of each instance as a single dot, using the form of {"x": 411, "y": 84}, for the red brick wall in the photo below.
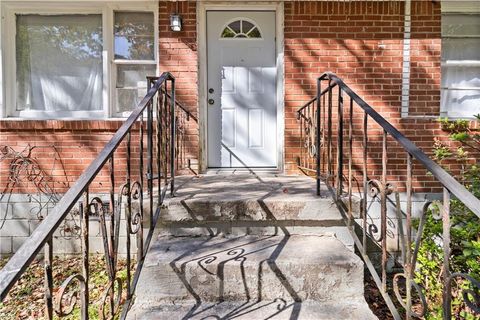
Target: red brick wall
{"x": 362, "y": 42}
{"x": 425, "y": 59}
{"x": 178, "y": 55}
{"x": 62, "y": 150}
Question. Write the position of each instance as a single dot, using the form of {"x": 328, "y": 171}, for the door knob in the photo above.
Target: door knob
{"x": 211, "y": 101}
{"x": 211, "y": 90}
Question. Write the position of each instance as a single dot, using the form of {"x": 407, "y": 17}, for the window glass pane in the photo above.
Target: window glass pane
{"x": 461, "y": 25}
{"x": 246, "y": 26}
{"x": 461, "y": 49}
{"x": 228, "y": 33}
{"x": 235, "y": 26}
{"x": 134, "y": 35}
{"x": 461, "y": 77}
{"x": 254, "y": 33}
{"x": 59, "y": 62}
{"x": 131, "y": 85}
{"x": 460, "y": 103}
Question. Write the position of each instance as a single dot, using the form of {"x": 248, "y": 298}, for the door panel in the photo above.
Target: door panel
{"x": 242, "y": 113}
{"x": 255, "y": 128}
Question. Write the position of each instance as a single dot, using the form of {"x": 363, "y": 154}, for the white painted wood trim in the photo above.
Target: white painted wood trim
{"x": 202, "y": 85}
{"x": 460, "y": 63}
{"x": 107, "y": 55}
{"x": 105, "y": 8}
{"x": 280, "y": 43}
{"x": 202, "y": 8}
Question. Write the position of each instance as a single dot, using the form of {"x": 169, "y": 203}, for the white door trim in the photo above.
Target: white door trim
{"x": 202, "y": 8}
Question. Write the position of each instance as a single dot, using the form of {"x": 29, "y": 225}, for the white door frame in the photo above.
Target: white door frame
{"x": 202, "y": 8}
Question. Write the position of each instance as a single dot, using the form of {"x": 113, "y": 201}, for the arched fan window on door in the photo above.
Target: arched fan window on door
{"x": 241, "y": 29}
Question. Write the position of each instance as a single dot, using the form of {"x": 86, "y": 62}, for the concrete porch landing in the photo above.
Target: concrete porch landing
{"x": 244, "y": 186}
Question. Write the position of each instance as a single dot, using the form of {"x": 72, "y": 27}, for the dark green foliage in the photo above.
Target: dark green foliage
{"x": 465, "y": 226}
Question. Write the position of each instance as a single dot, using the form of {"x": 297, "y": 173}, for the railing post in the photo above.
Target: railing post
{"x": 446, "y": 295}
{"x": 48, "y": 278}
{"x": 409, "y": 265}
{"x": 317, "y": 135}
{"x": 84, "y": 216}
{"x": 111, "y": 244}
{"x": 339, "y": 144}
{"x": 329, "y": 132}
{"x": 150, "y": 160}
{"x": 159, "y": 144}
{"x": 383, "y": 209}
{"x": 140, "y": 172}
{"x": 365, "y": 182}
{"x": 350, "y": 160}
{"x": 172, "y": 138}
{"x": 128, "y": 211}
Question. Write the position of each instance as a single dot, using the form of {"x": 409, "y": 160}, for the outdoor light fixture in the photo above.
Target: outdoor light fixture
{"x": 176, "y": 20}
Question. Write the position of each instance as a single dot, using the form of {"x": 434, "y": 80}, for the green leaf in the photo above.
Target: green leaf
{"x": 460, "y": 136}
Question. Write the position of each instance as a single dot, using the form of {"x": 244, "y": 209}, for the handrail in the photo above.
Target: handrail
{"x": 306, "y": 105}
{"x": 184, "y": 109}
{"x": 327, "y": 127}
{"x": 164, "y": 103}
{"x": 177, "y": 103}
{"x": 457, "y": 189}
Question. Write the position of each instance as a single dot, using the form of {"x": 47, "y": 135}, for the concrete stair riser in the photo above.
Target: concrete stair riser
{"x": 253, "y": 267}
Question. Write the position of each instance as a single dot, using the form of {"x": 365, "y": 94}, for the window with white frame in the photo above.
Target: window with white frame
{"x": 78, "y": 63}
{"x": 59, "y": 63}
{"x": 134, "y": 57}
{"x": 460, "y": 65}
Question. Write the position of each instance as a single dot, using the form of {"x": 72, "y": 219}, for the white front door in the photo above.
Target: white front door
{"x": 242, "y": 113}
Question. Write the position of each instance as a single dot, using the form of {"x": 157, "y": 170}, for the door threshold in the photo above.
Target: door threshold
{"x": 229, "y": 171}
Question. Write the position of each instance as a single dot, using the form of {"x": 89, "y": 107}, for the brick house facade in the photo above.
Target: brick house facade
{"x": 389, "y": 52}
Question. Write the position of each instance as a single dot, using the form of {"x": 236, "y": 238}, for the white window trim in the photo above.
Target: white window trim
{"x": 8, "y": 11}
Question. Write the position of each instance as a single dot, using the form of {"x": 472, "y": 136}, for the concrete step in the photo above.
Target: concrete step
{"x": 243, "y": 204}
{"x": 315, "y": 274}
{"x": 256, "y": 310}
{"x": 249, "y": 198}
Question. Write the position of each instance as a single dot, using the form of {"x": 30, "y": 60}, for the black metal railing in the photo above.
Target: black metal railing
{"x": 346, "y": 144}
{"x": 124, "y": 185}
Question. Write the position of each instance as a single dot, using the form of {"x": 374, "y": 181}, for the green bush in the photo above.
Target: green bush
{"x": 465, "y": 226}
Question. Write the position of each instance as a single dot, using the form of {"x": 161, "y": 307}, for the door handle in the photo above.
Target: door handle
{"x": 211, "y": 101}
{"x": 211, "y": 90}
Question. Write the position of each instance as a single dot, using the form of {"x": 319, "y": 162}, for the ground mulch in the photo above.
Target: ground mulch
{"x": 26, "y": 301}
{"x": 375, "y": 300}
